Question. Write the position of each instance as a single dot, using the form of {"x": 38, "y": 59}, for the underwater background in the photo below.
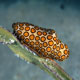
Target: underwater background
{"x": 61, "y": 15}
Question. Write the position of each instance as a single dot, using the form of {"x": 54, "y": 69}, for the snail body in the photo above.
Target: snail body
{"x": 43, "y": 42}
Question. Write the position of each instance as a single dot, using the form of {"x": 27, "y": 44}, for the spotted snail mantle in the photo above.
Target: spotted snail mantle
{"x": 43, "y": 42}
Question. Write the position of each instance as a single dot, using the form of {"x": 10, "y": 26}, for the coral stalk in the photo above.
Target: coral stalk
{"x": 50, "y": 66}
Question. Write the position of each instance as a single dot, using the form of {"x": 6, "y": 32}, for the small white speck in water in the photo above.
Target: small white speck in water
{"x": 47, "y": 60}
{"x": 34, "y": 53}
{"x": 17, "y": 55}
{"x": 27, "y": 62}
{"x": 11, "y": 41}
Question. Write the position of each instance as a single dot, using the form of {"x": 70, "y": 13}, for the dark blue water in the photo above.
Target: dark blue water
{"x": 60, "y": 15}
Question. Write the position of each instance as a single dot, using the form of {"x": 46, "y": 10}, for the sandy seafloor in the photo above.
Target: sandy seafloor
{"x": 61, "y": 15}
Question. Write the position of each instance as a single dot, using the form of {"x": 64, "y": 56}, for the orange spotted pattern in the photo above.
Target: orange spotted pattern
{"x": 43, "y": 42}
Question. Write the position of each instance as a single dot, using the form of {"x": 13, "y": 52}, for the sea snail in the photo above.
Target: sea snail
{"x": 43, "y": 42}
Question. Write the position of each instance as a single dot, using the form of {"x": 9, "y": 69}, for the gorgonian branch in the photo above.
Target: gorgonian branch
{"x": 50, "y": 66}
